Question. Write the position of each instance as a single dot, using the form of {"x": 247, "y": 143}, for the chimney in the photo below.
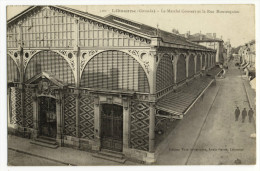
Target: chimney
{"x": 200, "y": 36}
{"x": 214, "y": 35}
{"x": 187, "y": 35}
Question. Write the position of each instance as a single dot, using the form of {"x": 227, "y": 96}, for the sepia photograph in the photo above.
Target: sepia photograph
{"x": 131, "y": 85}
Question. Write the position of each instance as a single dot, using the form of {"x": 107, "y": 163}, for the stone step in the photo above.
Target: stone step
{"x": 111, "y": 153}
{"x": 46, "y": 141}
{"x": 44, "y": 144}
{"x": 109, "y": 157}
{"x": 47, "y": 138}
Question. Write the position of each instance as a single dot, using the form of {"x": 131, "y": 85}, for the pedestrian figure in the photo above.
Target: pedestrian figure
{"x": 250, "y": 114}
{"x": 237, "y": 113}
{"x": 244, "y": 113}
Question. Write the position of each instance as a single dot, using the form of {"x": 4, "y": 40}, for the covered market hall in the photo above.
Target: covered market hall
{"x": 99, "y": 83}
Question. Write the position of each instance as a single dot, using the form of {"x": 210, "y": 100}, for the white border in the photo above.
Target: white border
{"x": 3, "y": 106}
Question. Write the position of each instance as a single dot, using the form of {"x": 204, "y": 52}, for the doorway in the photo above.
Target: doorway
{"x": 112, "y": 127}
{"x": 47, "y": 117}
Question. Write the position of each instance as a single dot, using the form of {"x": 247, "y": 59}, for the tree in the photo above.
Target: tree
{"x": 175, "y": 31}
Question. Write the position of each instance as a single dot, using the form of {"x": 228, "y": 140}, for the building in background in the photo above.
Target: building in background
{"x": 100, "y": 83}
{"x": 247, "y": 55}
{"x": 209, "y": 40}
{"x": 228, "y": 48}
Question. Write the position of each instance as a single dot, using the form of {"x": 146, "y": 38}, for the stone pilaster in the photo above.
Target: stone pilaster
{"x": 77, "y": 112}
{"x": 59, "y": 119}
{"x": 8, "y": 105}
{"x": 152, "y": 128}
{"x": 174, "y": 63}
{"x": 126, "y": 123}
{"x": 187, "y": 66}
{"x": 97, "y": 124}
{"x": 195, "y": 63}
{"x": 35, "y": 116}
{"x": 152, "y": 99}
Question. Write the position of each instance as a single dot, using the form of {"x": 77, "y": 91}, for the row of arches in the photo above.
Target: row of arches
{"x": 174, "y": 70}
{"x": 112, "y": 70}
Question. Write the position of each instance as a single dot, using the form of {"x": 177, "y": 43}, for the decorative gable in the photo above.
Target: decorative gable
{"x": 46, "y": 83}
{"x": 49, "y": 77}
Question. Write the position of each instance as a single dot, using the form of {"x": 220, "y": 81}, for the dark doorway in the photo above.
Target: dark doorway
{"x": 47, "y": 117}
{"x": 112, "y": 127}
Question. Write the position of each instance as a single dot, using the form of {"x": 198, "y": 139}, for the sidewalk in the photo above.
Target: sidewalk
{"x": 251, "y": 96}
{"x": 63, "y": 155}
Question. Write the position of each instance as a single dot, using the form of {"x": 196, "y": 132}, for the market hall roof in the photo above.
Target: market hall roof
{"x": 124, "y": 25}
{"x": 178, "y": 103}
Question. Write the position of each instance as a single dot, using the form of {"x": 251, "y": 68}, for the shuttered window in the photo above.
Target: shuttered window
{"x": 51, "y": 62}
{"x": 114, "y": 70}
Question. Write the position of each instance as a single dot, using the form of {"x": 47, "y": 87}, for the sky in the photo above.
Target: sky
{"x": 237, "y": 24}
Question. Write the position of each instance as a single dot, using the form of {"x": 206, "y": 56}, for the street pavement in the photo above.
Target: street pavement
{"x": 209, "y": 134}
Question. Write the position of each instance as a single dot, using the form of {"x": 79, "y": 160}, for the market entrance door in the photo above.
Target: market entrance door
{"x": 47, "y": 117}
{"x": 112, "y": 127}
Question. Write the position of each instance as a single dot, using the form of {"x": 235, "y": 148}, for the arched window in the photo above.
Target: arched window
{"x": 198, "y": 64}
{"x": 209, "y": 61}
{"x": 203, "y": 61}
{"x": 114, "y": 70}
{"x": 206, "y": 61}
{"x": 164, "y": 73}
{"x": 181, "y": 69}
{"x": 191, "y": 66}
{"x": 13, "y": 74}
{"x": 51, "y": 62}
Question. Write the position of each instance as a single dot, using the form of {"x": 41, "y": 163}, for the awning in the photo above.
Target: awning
{"x": 244, "y": 66}
{"x": 176, "y": 104}
{"x": 214, "y": 71}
